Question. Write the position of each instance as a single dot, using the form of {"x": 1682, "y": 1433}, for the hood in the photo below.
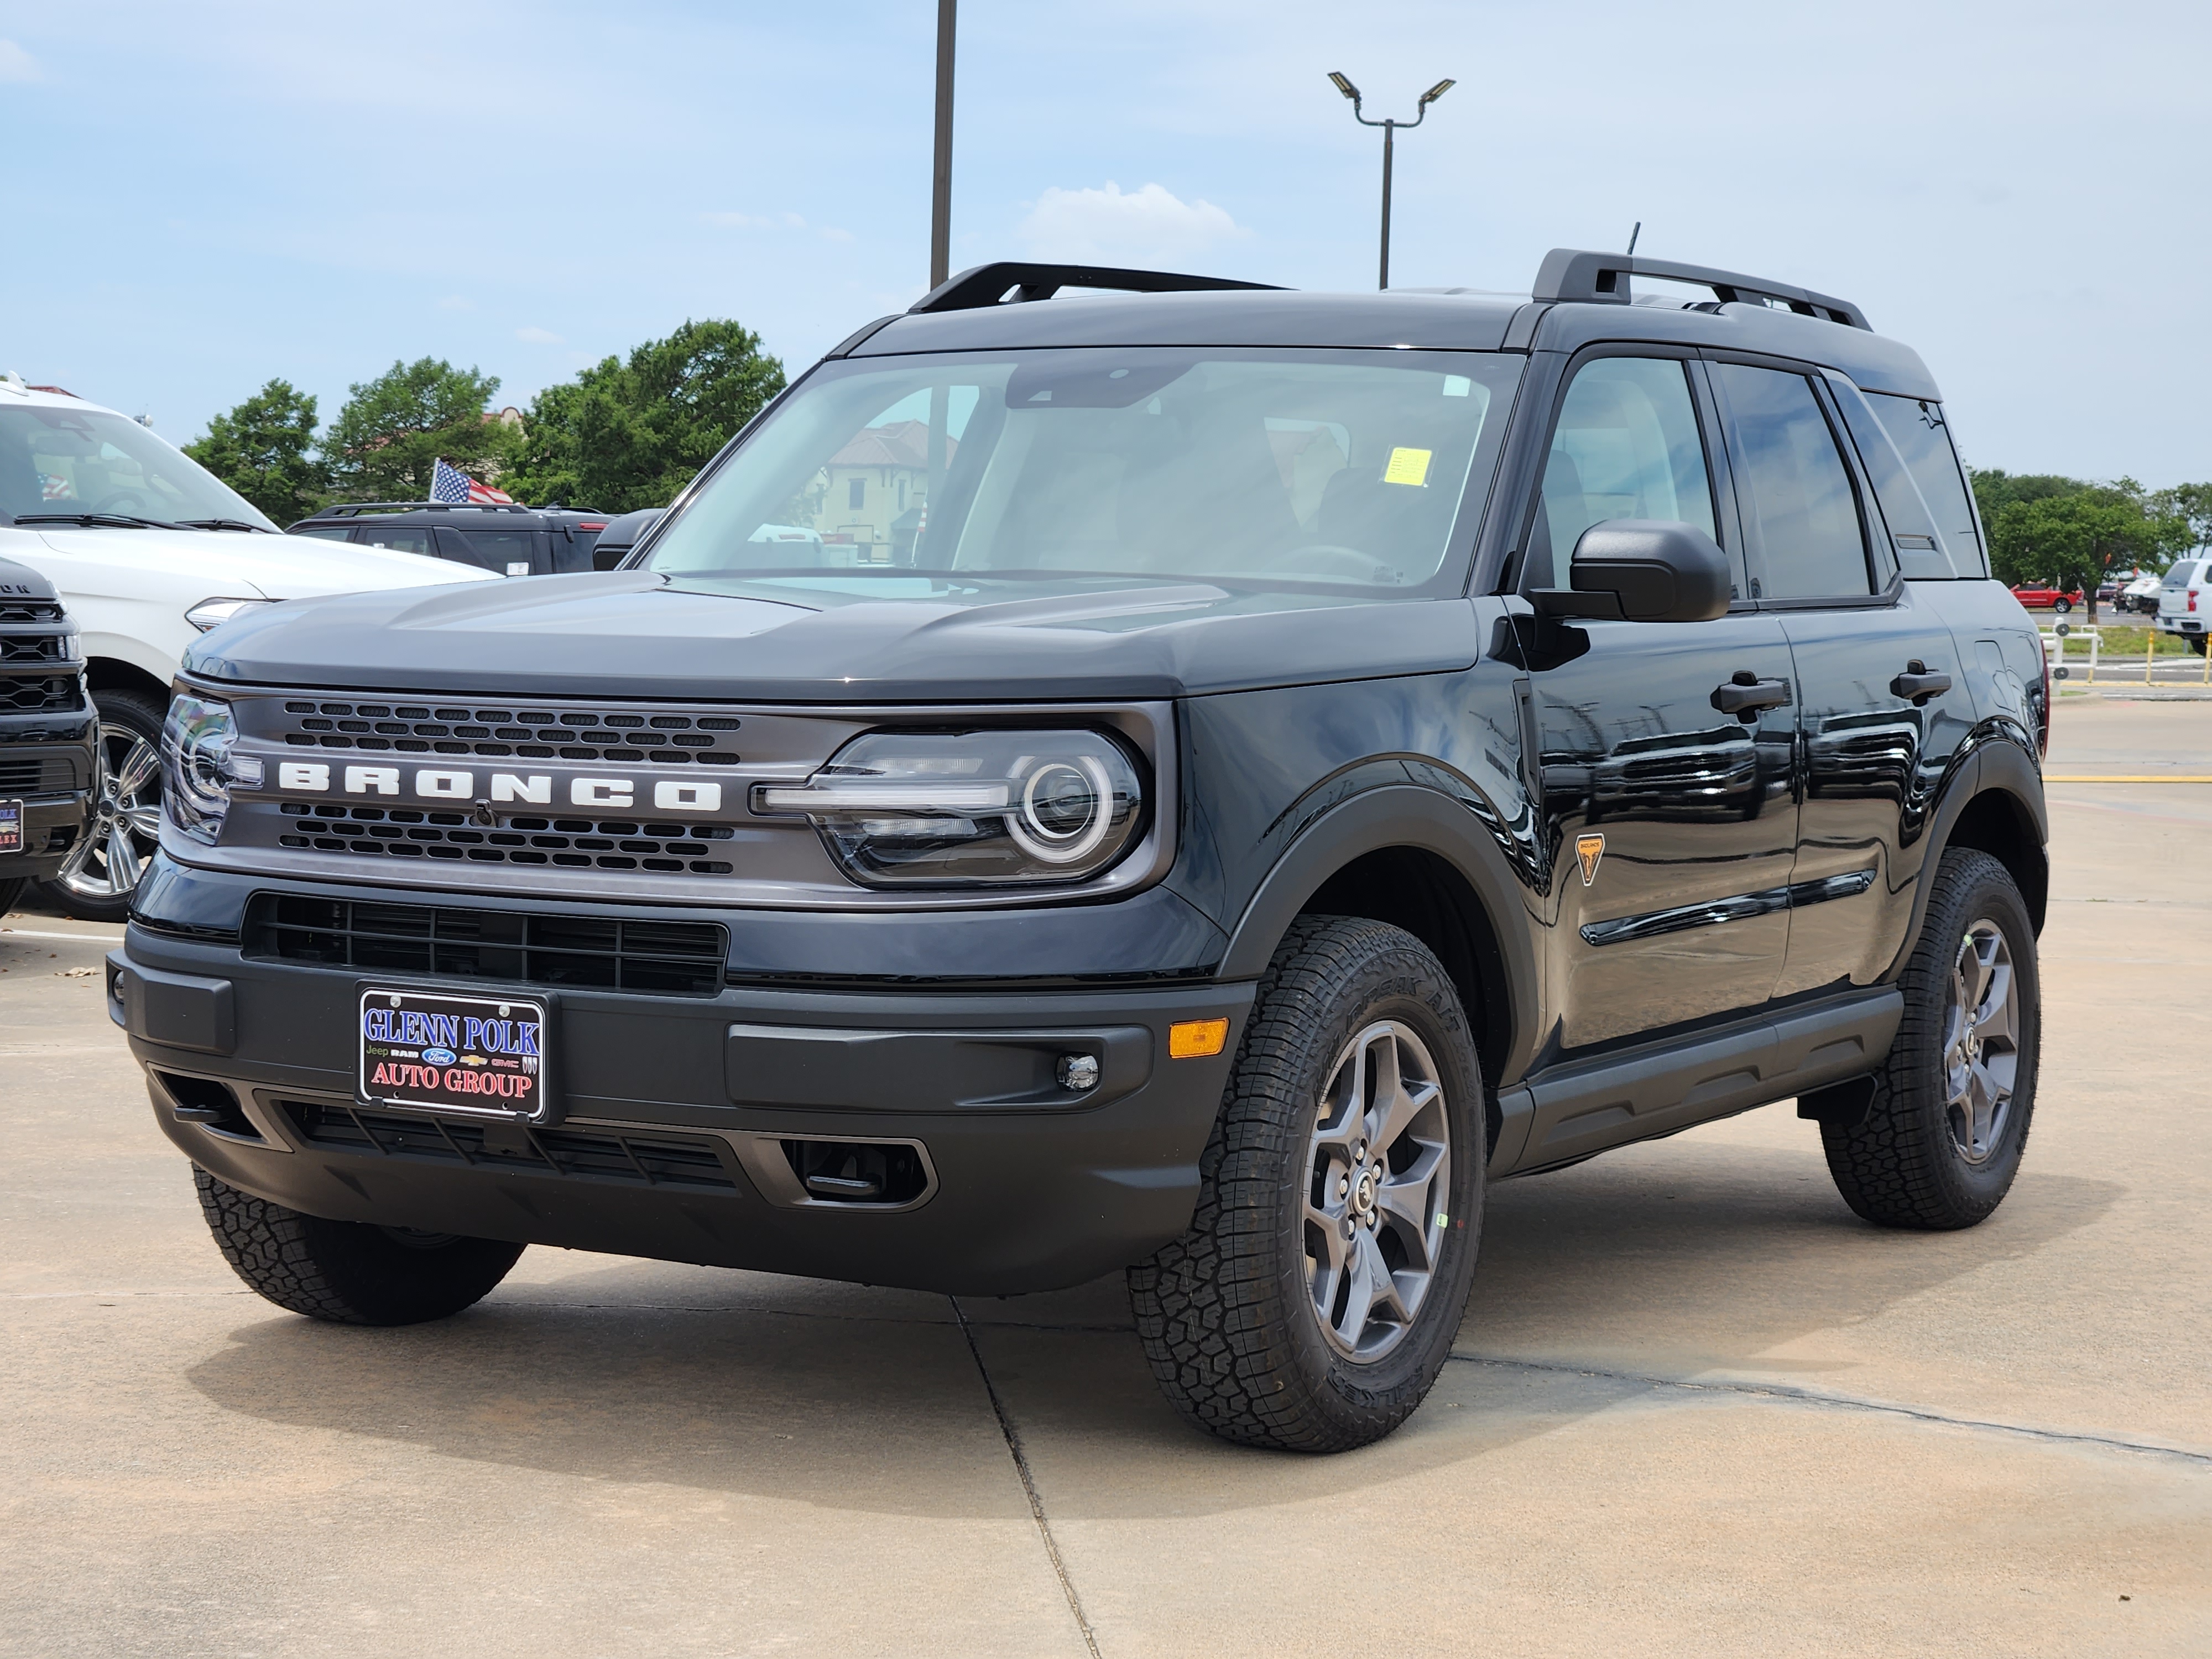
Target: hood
{"x": 240, "y": 565}
{"x": 857, "y": 640}
{"x": 21, "y": 582}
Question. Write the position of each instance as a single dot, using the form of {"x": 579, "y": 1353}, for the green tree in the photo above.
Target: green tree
{"x": 2192, "y": 504}
{"x": 263, "y": 449}
{"x": 2077, "y": 537}
{"x": 384, "y": 441}
{"x": 623, "y": 435}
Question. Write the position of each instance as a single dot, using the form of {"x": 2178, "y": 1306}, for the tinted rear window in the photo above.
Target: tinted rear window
{"x": 1922, "y": 438}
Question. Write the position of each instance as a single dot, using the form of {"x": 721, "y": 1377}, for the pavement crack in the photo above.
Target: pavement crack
{"x": 1850, "y": 1402}
{"x": 1029, "y": 1482}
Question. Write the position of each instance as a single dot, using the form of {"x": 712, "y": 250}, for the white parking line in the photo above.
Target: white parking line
{"x": 75, "y": 938}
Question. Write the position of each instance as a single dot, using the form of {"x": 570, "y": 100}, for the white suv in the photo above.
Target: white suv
{"x": 2185, "y": 600}
{"x": 149, "y": 551}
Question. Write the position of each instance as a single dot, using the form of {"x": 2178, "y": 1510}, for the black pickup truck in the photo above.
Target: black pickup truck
{"x": 1315, "y": 754}
{"x": 48, "y": 764}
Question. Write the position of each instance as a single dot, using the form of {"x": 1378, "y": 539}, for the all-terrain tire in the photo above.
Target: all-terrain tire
{"x": 348, "y": 1272}
{"x": 11, "y": 892}
{"x": 1226, "y": 1313}
{"x": 1901, "y": 1164}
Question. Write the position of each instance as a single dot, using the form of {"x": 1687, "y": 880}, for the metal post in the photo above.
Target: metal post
{"x": 1390, "y": 131}
{"x": 940, "y": 192}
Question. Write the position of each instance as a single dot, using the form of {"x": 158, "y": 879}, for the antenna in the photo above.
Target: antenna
{"x": 1633, "y": 234}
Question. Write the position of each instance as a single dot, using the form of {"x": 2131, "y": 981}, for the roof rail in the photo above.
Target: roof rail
{"x": 1570, "y": 274}
{"x": 988, "y": 285}
{"x": 350, "y": 509}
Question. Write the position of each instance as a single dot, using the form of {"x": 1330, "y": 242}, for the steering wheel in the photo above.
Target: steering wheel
{"x": 129, "y": 501}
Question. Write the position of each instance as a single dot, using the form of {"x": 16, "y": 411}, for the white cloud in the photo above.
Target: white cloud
{"x": 1109, "y": 226}
{"x": 539, "y": 337}
{"x": 16, "y": 63}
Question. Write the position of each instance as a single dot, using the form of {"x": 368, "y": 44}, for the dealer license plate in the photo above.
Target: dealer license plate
{"x": 483, "y": 1056}
{"x": 11, "y": 826}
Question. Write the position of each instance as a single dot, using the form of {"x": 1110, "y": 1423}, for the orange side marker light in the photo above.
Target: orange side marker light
{"x": 1195, "y": 1039}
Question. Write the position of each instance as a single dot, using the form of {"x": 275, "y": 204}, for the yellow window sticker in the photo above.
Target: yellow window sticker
{"x": 1408, "y": 466}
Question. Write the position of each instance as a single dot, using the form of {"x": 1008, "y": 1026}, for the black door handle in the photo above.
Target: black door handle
{"x": 1919, "y": 682}
{"x": 1746, "y": 694}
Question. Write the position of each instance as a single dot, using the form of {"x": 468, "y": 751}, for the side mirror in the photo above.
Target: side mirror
{"x": 1641, "y": 570}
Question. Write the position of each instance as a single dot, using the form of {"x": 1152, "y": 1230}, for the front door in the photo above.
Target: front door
{"x": 1672, "y": 822}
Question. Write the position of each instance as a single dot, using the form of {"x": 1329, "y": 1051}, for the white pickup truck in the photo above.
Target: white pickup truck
{"x": 149, "y": 551}
{"x": 2185, "y": 600}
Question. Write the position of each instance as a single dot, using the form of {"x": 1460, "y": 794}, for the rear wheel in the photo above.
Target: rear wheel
{"x": 101, "y": 872}
{"x": 1316, "y": 1297}
{"x": 2197, "y": 642}
{"x": 1943, "y": 1136}
{"x": 2062, "y": 604}
{"x": 349, "y": 1272}
{"x": 11, "y": 893}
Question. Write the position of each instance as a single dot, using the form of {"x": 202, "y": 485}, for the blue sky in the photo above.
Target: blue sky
{"x": 199, "y": 197}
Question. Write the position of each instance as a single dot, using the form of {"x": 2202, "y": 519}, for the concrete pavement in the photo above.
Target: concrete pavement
{"x": 1696, "y": 1407}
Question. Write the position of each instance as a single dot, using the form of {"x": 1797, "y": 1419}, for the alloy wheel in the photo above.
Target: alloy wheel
{"x": 126, "y": 819}
{"x": 1981, "y": 1041}
{"x": 1378, "y": 1174}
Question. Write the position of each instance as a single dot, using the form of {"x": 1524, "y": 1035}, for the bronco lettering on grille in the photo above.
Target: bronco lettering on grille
{"x": 669, "y": 795}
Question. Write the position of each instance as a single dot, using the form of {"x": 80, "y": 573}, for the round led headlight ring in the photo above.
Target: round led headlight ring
{"x": 1065, "y": 808}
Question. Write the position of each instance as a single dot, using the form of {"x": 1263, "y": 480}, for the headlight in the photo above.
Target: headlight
{"x": 198, "y": 767}
{"x": 970, "y": 808}
{"x": 213, "y": 613}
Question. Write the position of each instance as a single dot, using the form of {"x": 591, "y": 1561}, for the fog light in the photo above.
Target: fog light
{"x": 1079, "y": 1073}
{"x": 1195, "y": 1039}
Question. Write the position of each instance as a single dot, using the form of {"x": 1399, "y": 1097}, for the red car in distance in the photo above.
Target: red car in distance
{"x": 2046, "y": 598}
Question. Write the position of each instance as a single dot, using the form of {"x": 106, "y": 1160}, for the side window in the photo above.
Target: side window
{"x": 1626, "y": 446}
{"x": 1918, "y": 550}
{"x": 328, "y": 532}
{"x": 1801, "y": 509}
{"x": 400, "y": 538}
{"x": 1924, "y": 438}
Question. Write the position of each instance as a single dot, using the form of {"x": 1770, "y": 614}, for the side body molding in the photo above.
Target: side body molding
{"x": 1404, "y": 815}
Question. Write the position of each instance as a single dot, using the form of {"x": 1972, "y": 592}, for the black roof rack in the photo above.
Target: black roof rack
{"x": 1570, "y": 274}
{"x": 988, "y": 285}
{"x": 352, "y": 509}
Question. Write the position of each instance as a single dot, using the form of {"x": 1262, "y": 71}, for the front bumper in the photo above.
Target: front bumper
{"x": 674, "y": 1111}
{"x": 50, "y": 828}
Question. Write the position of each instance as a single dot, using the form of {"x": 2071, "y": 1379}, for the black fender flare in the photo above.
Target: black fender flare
{"x": 1998, "y": 764}
{"x": 1400, "y": 815}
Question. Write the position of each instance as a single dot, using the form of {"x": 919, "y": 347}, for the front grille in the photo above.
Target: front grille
{"x": 43, "y": 695}
{"x": 654, "y": 1159}
{"x": 569, "y": 844}
{"x": 35, "y": 610}
{"x": 55, "y": 774}
{"x": 539, "y": 734}
{"x": 32, "y": 647}
{"x": 659, "y": 958}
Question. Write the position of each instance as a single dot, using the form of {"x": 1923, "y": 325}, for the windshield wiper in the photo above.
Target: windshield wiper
{"x": 227, "y": 524}
{"x": 98, "y": 520}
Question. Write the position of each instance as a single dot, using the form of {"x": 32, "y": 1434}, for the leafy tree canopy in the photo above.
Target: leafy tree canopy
{"x": 384, "y": 443}
{"x": 2076, "y": 536}
{"x": 623, "y": 435}
{"x": 261, "y": 449}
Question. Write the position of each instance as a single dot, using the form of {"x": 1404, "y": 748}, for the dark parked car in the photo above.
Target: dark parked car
{"x": 1196, "y": 780}
{"x": 49, "y": 766}
{"x": 512, "y": 541}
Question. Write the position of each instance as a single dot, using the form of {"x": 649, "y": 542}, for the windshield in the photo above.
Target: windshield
{"x": 87, "y": 460}
{"x": 1335, "y": 469}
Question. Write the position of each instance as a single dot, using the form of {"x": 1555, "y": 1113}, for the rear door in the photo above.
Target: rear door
{"x": 1883, "y": 702}
{"x": 1672, "y": 825}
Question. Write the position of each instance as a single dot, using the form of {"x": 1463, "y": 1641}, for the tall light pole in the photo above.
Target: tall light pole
{"x": 1390, "y": 133}
{"x": 941, "y": 190}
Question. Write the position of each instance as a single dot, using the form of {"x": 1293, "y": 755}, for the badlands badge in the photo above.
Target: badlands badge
{"x": 1590, "y": 849}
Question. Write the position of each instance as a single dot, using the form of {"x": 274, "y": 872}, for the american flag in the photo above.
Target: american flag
{"x": 55, "y": 488}
{"x": 455, "y": 488}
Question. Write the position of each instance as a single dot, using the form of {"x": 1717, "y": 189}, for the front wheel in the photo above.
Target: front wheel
{"x": 2062, "y": 604}
{"x": 1315, "y": 1297}
{"x": 1942, "y": 1135}
{"x": 349, "y": 1273}
{"x": 101, "y": 872}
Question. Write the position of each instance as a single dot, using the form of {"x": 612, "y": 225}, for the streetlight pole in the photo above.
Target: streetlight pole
{"x": 940, "y": 191}
{"x": 1389, "y": 135}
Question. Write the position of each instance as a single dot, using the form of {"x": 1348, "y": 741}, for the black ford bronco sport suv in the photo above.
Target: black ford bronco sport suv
{"x": 1324, "y": 753}
{"x": 48, "y": 762}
